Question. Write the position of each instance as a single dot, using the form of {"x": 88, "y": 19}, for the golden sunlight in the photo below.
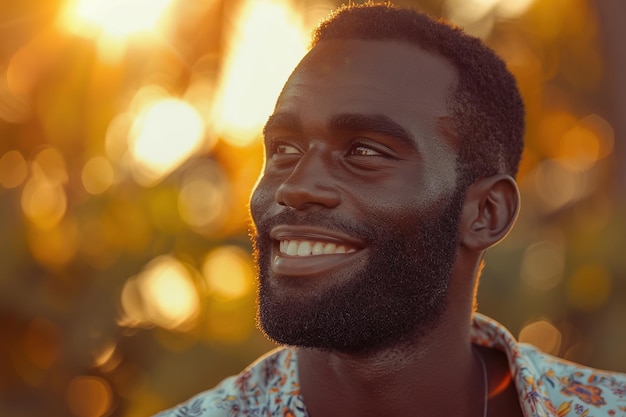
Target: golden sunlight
{"x": 163, "y": 294}
{"x": 265, "y": 45}
{"x": 228, "y": 272}
{"x": 204, "y": 196}
{"x": 113, "y": 18}
{"x": 477, "y": 16}
{"x": 13, "y": 169}
{"x": 44, "y": 200}
{"x": 97, "y": 175}
{"x": 511, "y": 9}
{"x": 164, "y": 135}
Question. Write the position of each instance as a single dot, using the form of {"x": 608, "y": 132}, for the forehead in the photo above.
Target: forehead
{"x": 390, "y": 78}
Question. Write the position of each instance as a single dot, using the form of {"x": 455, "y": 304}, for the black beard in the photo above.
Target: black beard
{"x": 398, "y": 295}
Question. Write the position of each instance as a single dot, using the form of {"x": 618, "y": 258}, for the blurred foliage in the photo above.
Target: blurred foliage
{"x": 129, "y": 145}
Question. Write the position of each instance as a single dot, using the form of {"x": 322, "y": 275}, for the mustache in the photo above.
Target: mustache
{"x": 347, "y": 225}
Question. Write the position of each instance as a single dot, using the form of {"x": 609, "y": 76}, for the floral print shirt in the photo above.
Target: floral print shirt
{"x": 547, "y": 386}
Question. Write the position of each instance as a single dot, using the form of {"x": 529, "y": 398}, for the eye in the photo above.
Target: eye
{"x": 284, "y": 149}
{"x": 365, "y": 149}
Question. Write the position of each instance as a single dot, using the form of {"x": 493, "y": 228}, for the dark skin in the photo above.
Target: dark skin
{"x": 389, "y": 161}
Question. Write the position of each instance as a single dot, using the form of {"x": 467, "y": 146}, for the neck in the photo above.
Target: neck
{"x": 434, "y": 374}
{"x": 412, "y": 379}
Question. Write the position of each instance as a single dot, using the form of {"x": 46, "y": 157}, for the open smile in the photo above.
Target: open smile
{"x": 312, "y": 248}
{"x": 306, "y": 250}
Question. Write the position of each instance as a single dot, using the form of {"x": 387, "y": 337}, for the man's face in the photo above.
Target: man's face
{"x": 356, "y": 211}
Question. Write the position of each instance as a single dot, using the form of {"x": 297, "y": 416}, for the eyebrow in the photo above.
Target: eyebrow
{"x": 377, "y": 123}
{"x": 287, "y": 121}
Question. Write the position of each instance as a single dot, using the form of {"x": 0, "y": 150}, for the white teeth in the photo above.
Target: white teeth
{"x": 292, "y": 248}
{"x": 318, "y": 248}
{"x": 307, "y": 248}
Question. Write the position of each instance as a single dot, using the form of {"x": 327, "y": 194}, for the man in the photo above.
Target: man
{"x": 390, "y": 164}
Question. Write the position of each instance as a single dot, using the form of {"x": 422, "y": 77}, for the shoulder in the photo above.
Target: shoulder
{"x": 267, "y": 387}
{"x": 564, "y": 385}
{"x": 550, "y": 386}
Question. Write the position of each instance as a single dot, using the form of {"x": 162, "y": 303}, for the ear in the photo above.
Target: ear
{"x": 489, "y": 211}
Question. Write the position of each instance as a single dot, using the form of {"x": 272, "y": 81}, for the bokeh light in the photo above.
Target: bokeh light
{"x": 130, "y": 143}
{"x": 163, "y": 294}
{"x": 98, "y": 175}
{"x": 89, "y": 396}
{"x": 203, "y": 198}
{"x": 163, "y": 136}
{"x": 114, "y": 18}
{"x": 228, "y": 272}
{"x": 478, "y": 16}
{"x": 13, "y": 169}
{"x": 258, "y": 63}
{"x": 44, "y": 200}
{"x": 542, "y": 334}
{"x": 543, "y": 265}
{"x": 558, "y": 185}
{"x": 20, "y": 76}
{"x": 106, "y": 357}
{"x": 111, "y": 24}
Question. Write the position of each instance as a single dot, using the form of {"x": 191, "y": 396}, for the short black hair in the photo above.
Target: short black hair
{"x": 486, "y": 108}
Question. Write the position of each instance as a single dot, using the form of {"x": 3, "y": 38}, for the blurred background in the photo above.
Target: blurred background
{"x": 129, "y": 142}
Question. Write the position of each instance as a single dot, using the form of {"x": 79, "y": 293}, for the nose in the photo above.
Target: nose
{"x": 309, "y": 184}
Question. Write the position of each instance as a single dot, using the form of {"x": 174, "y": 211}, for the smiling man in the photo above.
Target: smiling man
{"x": 389, "y": 171}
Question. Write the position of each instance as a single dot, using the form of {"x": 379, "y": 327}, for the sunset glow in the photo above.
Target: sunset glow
{"x": 258, "y": 63}
{"x": 114, "y": 18}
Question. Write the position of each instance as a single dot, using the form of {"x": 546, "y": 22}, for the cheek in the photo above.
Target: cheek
{"x": 256, "y": 201}
{"x": 397, "y": 213}
{"x": 404, "y": 210}
{"x": 261, "y": 199}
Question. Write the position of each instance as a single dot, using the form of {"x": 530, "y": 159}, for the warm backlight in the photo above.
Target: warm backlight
{"x": 163, "y": 294}
{"x": 114, "y": 18}
{"x": 164, "y": 135}
{"x": 228, "y": 272}
{"x": 267, "y": 42}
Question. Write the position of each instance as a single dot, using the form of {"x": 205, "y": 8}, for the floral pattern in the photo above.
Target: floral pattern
{"x": 547, "y": 386}
{"x": 551, "y": 387}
